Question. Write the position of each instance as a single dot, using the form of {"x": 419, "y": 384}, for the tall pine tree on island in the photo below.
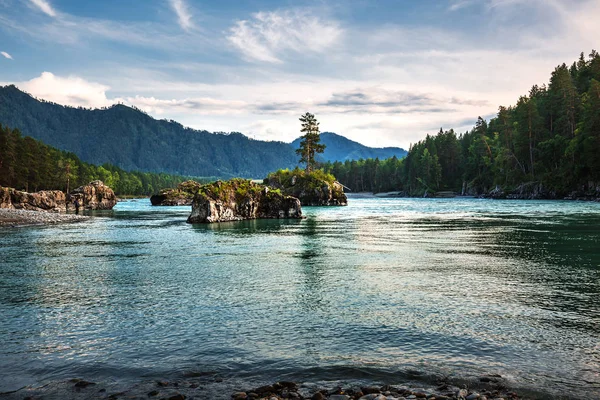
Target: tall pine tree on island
{"x": 310, "y": 141}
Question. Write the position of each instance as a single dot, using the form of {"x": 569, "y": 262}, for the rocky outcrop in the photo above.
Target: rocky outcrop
{"x": 314, "y": 189}
{"x": 180, "y": 196}
{"x": 94, "y": 196}
{"x": 496, "y": 193}
{"x": 239, "y": 199}
{"x": 45, "y": 200}
{"x": 532, "y": 191}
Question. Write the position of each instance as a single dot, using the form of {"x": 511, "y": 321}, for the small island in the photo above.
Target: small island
{"x": 240, "y": 199}
{"x": 182, "y": 195}
{"x": 315, "y": 188}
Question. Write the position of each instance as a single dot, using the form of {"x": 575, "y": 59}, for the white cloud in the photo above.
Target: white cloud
{"x": 183, "y": 14}
{"x": 458, "y": 4}
{"x": 6, "y": 55}
{"x": 201, "y": 105}
{"x": 45, "y": 7}
{"x": 73, "y": 91}
{"x": 270, "y": 36}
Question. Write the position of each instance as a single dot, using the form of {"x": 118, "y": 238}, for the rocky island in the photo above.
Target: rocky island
{"x": 315, "y": 188}
{"x": 182, "y": 195}
{"x": 240, "y": 199}
{"x": 94, "y": 196}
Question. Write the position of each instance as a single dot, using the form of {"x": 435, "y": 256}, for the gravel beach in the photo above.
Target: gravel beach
{"x": 490, "y": 388}
{"x": 14, "y": 218}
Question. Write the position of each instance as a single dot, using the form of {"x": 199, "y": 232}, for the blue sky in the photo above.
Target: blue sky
{"x": 380, "y": 72}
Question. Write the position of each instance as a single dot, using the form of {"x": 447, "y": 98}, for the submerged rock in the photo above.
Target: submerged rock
{"x": 182, "y": 195}
{"x": 45, "y": 200}
{"x": 313, "y": 189}
{"x": 94, "y": 196}
{"x": 239, "y": 199}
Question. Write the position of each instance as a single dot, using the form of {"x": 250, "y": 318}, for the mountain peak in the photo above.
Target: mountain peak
{"x": 340, "y": 148}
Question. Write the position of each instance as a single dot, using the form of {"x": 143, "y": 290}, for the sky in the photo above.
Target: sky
{"x": 381, "y": 72}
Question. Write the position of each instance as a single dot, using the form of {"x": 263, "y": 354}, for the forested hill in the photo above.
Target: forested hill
{"x": 547, "y": 145}
{"x": 339, "y": 148}
{"x": 30, "y": 165}
{"x": 132, "y": 140}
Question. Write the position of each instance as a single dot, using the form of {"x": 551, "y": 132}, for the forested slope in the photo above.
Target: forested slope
{"x": 547, "y": 143}
{"x": 30, "y": 165}
{"x": 130, "y": 139}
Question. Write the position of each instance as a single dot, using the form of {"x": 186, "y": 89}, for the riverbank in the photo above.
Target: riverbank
{"x": 492, "y": 387}
{"x": 12, "y": 217}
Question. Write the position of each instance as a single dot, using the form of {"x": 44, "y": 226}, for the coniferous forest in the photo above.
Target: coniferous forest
{"x": 549, "y": 140}
{"x": 30, "y": 165}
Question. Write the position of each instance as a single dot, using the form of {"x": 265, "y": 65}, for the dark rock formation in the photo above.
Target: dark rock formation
{"x": 239, "y": 199}
{"x": 445, "y": 195}
{"x": 532, "y": 191}
{"x": 94, "y": 196}
{"x": 180, "y": 196}
{"x": 314, "y": 189}
{"x": 496, "y": 193}
{"x": 45, "y": 200}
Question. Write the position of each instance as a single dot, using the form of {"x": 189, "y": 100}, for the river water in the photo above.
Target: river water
{"x": 384, "y": 289}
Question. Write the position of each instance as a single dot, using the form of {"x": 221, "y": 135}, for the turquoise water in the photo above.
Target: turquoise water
{"x": 385, "y": 289}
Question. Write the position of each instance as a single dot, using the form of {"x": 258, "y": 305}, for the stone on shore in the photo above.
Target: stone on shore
{"x": 15, "y": 217}
{"x": 239, "y": 199}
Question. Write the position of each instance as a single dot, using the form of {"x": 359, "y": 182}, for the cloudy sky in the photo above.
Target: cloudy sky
{"x": 382, "y": 72}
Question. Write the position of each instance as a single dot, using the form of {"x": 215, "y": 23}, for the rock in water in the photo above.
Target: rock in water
{"x": 94, "y": 196}
{"x": 44, "y": 200}
{"x": 314, "y": 189}
{"x": 180, "y": 196}
{"x": 239, "y": 199}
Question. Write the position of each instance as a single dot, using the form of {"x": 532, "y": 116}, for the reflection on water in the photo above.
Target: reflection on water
{"x": 402, "y": 288}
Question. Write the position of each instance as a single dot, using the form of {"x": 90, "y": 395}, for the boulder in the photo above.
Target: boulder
{"x": 239, "y": 199}
{"x": 44, "y": 200}
{"x": 313, "y": 189}
{"x": 94, "y": 196}
{"x": 180, "y": 196}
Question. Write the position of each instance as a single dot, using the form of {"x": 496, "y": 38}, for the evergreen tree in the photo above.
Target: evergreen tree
{"x": 309, "y": 145}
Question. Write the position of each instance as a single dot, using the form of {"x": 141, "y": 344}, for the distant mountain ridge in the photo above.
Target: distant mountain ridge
{"x": 132, "y": 140}
{"x": 340, "y": 148}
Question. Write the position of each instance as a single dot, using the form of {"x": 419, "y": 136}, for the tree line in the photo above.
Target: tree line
{"x": 550, "y": 137}
{"x": 30, "y": 165}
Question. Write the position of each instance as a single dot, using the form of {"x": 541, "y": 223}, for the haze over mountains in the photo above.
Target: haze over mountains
{"x": 131, "y": 139}
{"x": 340, "y": 148}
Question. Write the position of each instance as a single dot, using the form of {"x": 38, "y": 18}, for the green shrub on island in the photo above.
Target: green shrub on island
{"x": 182, "y": 195}
{"x": 314, "y": 188}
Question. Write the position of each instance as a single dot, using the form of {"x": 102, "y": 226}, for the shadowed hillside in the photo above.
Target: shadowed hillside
{"x": 130, "y": 139}
{"x": 339, "y": 148}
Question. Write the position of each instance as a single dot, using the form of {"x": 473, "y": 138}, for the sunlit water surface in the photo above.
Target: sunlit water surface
{"x": 384, "y": 288}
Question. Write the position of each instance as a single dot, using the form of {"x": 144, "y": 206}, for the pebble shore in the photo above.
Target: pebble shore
{"x": 14, "y": 218}
{"x": 291, "y": 390}
{"x": 490, "y": 387}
